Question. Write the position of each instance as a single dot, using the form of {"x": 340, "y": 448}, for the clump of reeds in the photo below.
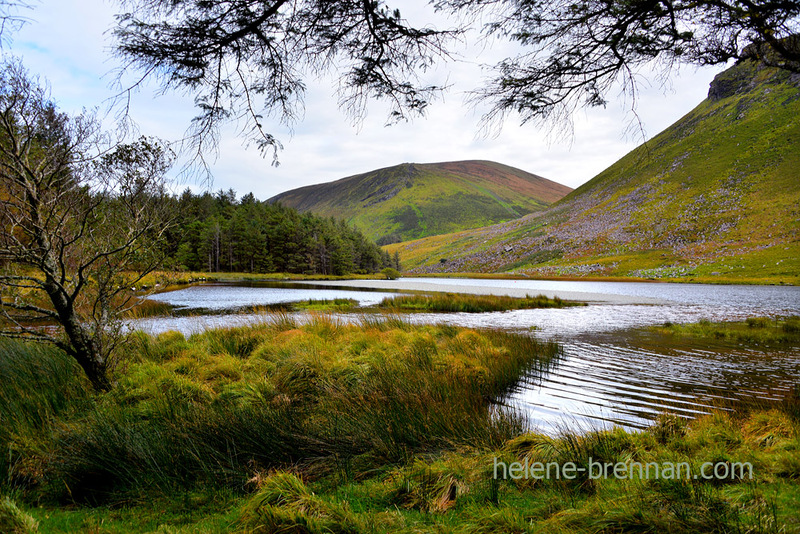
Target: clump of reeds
{"x": 284, "y": 504}
{"x": 15, "y": 521}
{"x": 327, "y": 305}
{"x": 791, "y": 324}
{"x": 149, "y": 308}
{"x": 39, "y": 385}
{"x": 754, "y": 330}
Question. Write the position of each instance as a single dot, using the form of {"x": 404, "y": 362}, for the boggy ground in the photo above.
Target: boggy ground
{"x": 376, "y": 427}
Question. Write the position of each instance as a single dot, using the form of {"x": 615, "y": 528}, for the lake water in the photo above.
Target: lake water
{"x": 610, "y": 372}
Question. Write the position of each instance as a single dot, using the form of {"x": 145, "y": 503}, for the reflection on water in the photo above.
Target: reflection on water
{"x": 608, "y": 374}
{"x": 628, "y": 378}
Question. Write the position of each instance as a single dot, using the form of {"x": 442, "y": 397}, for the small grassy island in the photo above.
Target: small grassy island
{"x": 457, "y": 302}
{"x": 380, "y": 426}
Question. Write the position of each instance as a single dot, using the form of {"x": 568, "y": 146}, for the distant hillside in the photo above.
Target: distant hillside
{"x": 714, "y": 197}
{"x": 415, "y": 200}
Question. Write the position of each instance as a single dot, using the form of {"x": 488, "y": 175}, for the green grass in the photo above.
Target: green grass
{"x": 409, "y": 201}
{"x": 458, "y": 492}
{"x": 13, "y": 520}
{"x": 456, "y": 302}
{"x": 226, "y": 405}
{"x": 754, "y": 330}
{"x": 39, "y": 387}
{"x": 164, "y": 280}
{"x": 382, "y": 426}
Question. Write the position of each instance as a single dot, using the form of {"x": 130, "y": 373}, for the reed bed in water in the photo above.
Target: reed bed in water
{"x": 457, "y": 302}
{"x": 753, "y": 330}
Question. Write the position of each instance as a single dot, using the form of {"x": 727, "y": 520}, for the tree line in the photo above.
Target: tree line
{"x": 218, "y": 233}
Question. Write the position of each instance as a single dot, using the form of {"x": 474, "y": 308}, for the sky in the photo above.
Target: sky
{"x": 68, "y": 43}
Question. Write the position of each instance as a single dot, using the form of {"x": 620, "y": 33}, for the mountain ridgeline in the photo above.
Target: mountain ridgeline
{"x": 714, "y": 197}
{"x": 218, "y": 233}
{"x": 414, "y": 200}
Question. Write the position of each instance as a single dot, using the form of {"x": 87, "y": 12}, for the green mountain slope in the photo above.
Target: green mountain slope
{"x": 415, "y": 200}
{"x": 714, "y": 197}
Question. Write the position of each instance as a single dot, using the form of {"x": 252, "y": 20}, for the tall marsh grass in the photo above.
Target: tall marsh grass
{"x": 39, "y": 384}
{"x": 456, "y": 492}
{"x": 382, "y": 426}
{"x": 227, "y": 404}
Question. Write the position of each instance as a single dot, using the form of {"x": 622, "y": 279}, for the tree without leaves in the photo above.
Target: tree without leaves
{"x": 10, "y": 18}
{"x": 79, "y": 226}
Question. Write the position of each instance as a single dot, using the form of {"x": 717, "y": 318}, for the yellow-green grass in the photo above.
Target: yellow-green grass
{"x": 713, "y": 198}
{"x": 226, "y": 404}
{"x": 326, "y": 305}
{"x": 173, "y": 278}
{"x": 456, "y": 491}
{"x": 415, "y": 200}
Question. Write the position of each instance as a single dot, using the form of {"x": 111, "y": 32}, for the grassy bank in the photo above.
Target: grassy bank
{"x": 225, "y": 406}
{"x": 456, "y": 302}
{"x": 326, "y": 305}
{"x": 381, "y": 426}
{"x": 715, "y": 279}
{"x": 171, "y": 278}
{"x": 456, "y": 491}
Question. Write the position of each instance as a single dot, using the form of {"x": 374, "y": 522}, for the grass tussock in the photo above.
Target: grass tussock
{"x": 39, "y": 386}
{"x": 15, "y": 521}
{"x": 455, "y": 302}
{"x": 459, "y": 492}
{"x": 326, "y": 305}
{"x": 149, "y": 308}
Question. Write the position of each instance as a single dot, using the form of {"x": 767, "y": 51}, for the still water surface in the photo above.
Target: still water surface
{"x": 611, "y": 372}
